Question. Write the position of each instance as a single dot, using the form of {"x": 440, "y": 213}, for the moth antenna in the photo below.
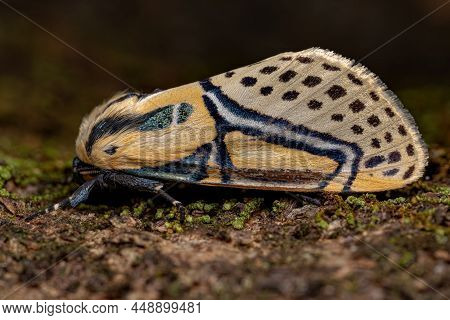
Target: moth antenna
{"x": 60, "y": 205}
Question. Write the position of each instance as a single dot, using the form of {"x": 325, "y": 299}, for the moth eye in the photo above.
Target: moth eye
{"x": 160, "y": 119}
{"x": 111, "y": 150}
{"x": 184, "y": 111}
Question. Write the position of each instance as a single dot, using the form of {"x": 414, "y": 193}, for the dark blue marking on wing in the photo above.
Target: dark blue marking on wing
{"x": 112, "y": 125}
{"x": 222, "y": 157}
{"x": 184, "y": 112}
{"x": 155, "y": 120}
{"x": 391, "y": 172}
{"x": 192, "y": 168}
{"x": 158, "y": 120}
{"x": 224, "y": 126}
{"x": 374, "y": 161}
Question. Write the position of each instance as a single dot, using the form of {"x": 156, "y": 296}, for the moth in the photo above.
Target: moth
{"x": 298, "y": 121}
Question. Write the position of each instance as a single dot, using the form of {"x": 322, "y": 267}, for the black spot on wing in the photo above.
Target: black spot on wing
{"x": 288, "y": 75}
{"x": 336, "y": 92}
{"x": 408, "y": 173}
{"x": 311, "y": 81}
{"x": 357, "y": 106}
{"x": 304, "y": 60}
{"x": 391, "y": 172}
{"x": 389, "y": 112}
{"x": 337, "y": 117}
{"x": 265, "y": 91}
{"x": 388, "y": 137}
{"x": 374, "y": 161}
{"x": 402, "y": 130}
{"x": 374, "y": 121}
{"x": 268, "y": 70}
{"x": 357, "y": 129}
{"x": 248, "y": 81}
{"x": 290, "y": 95}
{"x": 354, "y": 79}
{"x": 410, "y": 150}
{"x": 376, "y": 143}
{"x": 229, "y": 74}
{"x": 329, "y": 67}
{"x": 314, "y": 104}
{"x": 374, "y": 96}
{"x": 394, "y": 156}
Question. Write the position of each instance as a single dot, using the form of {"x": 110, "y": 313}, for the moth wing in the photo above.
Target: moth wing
{"x": 261, "y": 165}
{"x": 335, "y": 98}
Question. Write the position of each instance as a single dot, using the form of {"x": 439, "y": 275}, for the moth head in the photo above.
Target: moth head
{"x": 82, "y": 171}
{"x": 131, "y": 131}
{"x": 96, "y": 143}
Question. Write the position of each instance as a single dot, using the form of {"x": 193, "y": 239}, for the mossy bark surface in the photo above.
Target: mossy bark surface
{"x": 233, "y": 244}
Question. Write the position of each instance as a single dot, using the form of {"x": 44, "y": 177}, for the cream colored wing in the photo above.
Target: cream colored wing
{"x": 342, "y": 103}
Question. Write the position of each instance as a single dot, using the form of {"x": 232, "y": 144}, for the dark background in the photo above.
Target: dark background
{"x": 45, "y": 87}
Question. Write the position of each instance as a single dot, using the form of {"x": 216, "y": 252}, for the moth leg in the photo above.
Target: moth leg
{"x": 174, "y": 202}
{"x": 305, "y": 199}
{"x": 80, "y": 195}
{"x": 310, "y": 200}
{"x": 130, "y": 182}
{"x": 142, "y": 184}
